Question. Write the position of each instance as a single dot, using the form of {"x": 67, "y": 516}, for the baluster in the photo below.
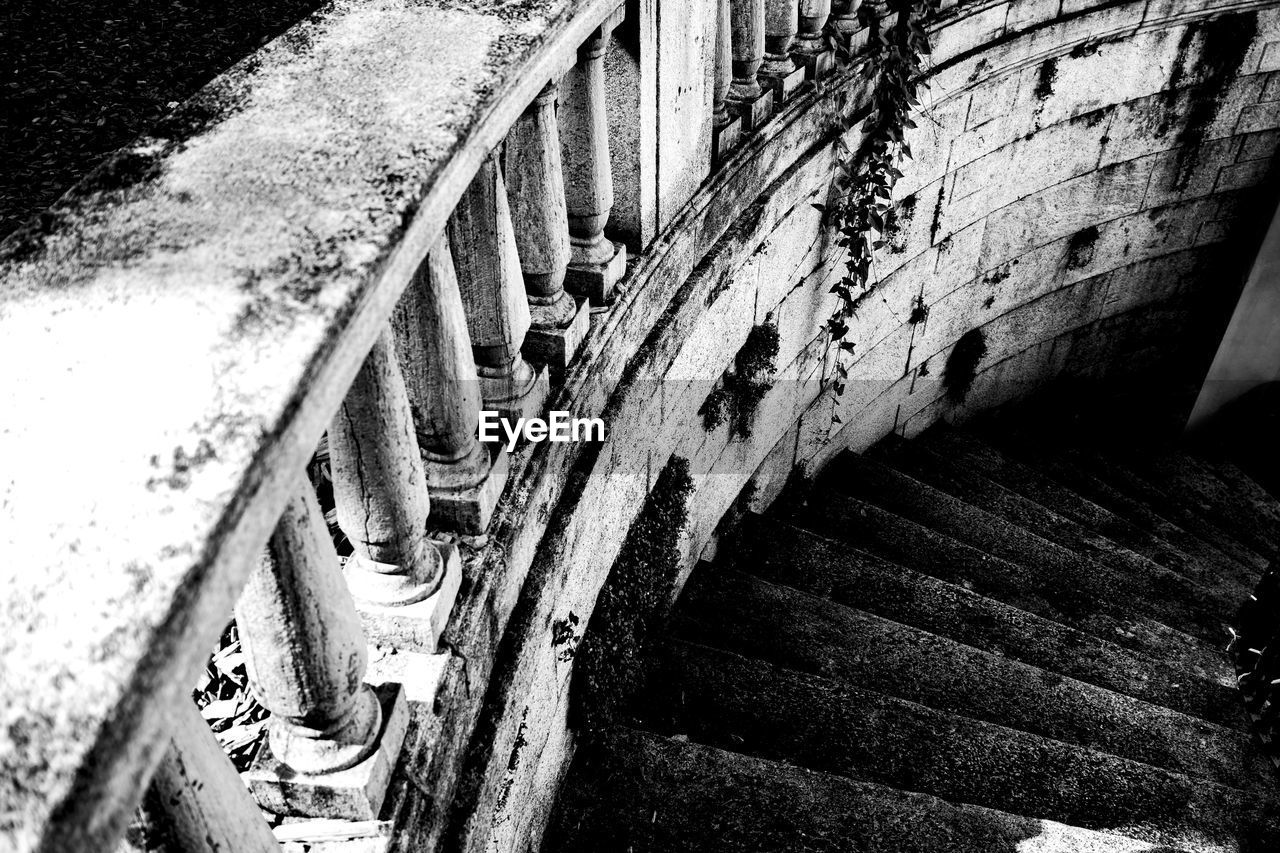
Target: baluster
{"x": 405, "y": 582}
{"x": 197, "y": 798}
{"x": 597, "y": 262}
{"x": 331, "y": 741}
{"x": 535, "y": 191}
{"x": 488, "y": 267}
{"x": 884, "y": 19}
{"x": 811, "y": 45}
{"x": 780, "y": 72}
{"x": 432, "y": 342}
{"x": 844, "y": 16}
{"x": 726, "y": 126}
{"x": 754, "y": 104}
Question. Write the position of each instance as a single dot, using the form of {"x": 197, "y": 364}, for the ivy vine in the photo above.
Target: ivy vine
{"x": 862, "y": 206}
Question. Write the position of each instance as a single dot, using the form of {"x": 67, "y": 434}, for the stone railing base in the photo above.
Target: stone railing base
{"x": 352, "y": 794}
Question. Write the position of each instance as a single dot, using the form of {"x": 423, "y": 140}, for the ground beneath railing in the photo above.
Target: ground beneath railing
{"x": 81, "y": 78}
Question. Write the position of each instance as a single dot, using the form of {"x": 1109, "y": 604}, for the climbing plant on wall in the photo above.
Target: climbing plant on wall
{"x": 861, "y": 209}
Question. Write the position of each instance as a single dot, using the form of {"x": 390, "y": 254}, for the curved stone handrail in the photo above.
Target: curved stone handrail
{"x": 178, "y": 330}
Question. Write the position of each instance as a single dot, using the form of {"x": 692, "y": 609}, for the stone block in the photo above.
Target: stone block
{"x": 470, "y": 509}
{"x": 966, "y": 34}
{"x": 1258, "y": 146}
{"x": 1180, "y": 175}
{"x": 990, "y": 101}
{"x": 531, "y": 403}
{"x": 757, "y": 112}
{"x": 859, "y": 39}
{"x": 1270, "y": 87}
{"x": 683, "y": 60}
{"x": 784, "y": 86}
{"x": 1270, "y": 57}
{"x": 1256, "y": 117}
{"x": 725, "y": 139}
{"x": 420, "y": 624}
{"x": 352, "y": 794}
{"x": 1242, "y": 175}
{"x": 817, "y": 66}
{"x": 598, "y": 282}
{"x": 1027, "y": 13}
{"x": 557, "y": 347}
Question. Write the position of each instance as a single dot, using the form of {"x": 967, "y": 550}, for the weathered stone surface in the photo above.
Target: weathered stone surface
{"x": 352, "y": 793}
{"x": 732, "y": 702}
{"x": 297, "y": 335}
{"x": 1165, "y": 544}
{"x": 1150, "y": 589}
{"x": 728, "y": 803}
{"x": 588, "y": 179}
{"x": 416, "y": 625}
{"x": 557, "y": 346}
{"x": 379, "y": 486}
{"x": 790, "y": 629}
{"x": 535, "y": 192}
{"x": 202, "y": 803}
{"x": 469, "y": 506}
{"x": 968, "y": 483}
{"x": 304, "y": 648}
{"x": 788, "y": 555}
{"x": 240, "y": 282}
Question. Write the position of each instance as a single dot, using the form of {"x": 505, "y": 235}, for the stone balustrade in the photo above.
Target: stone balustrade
{"x": 390, "y": 337}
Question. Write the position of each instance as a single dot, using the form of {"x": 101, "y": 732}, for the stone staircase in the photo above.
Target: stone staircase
{"x": 960, "y": 643}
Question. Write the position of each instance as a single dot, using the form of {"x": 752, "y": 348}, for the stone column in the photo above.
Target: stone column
{"x": 331, "y": 741}
{"x": 197, "y": 796}
{"x": 811, "y": 45}
{"x": 535, "y": 191}
{"x": 779, "y": 72}
{"x": 380, "y": 491}
{"x": 597, "y": 263}
{"x": 726, "y": 125}
{"x": 488, "y": 267}
{"x": 434, "y": 347}
{"x": 754, "y": 104}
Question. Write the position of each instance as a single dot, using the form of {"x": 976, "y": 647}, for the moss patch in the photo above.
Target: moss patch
{"x": 1080, "y": 248}
{"x": 633, "y": 603}
{"x": 962, "y": 364}
{"x": 1045, "y": 78}
{"x": 1224, "y": 43}
{"x": 736, "y": 398}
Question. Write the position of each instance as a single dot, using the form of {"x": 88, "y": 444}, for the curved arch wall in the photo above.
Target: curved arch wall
{"x": 1088, "y": 186}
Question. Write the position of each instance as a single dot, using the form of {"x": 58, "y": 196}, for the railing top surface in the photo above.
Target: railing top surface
{"x": 179, "y": 326}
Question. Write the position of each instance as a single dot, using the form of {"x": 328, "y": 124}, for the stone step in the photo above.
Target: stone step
{"x": 1186, "y": 554}
{"x": 780, "y": 553}
{"x": 1055, "y": 596}
{"x": 969, "y": 483}
{"x": 1159, "y": 594}
{"x": 1245, "y": 488}
{"x": 749, "y": 706}
{"x": 784, "y": 626}
{"x": 1197, "y": 485}
{"x": 1097, "y": 478}
{"x": 641, "y": 793}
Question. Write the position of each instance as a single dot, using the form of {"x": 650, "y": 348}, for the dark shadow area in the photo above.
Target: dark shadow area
{"x": 80, "y": 79}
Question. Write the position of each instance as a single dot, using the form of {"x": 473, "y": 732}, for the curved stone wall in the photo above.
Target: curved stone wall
{"x": 1085, "y": 190}
{"x": 1088, "y": 203}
